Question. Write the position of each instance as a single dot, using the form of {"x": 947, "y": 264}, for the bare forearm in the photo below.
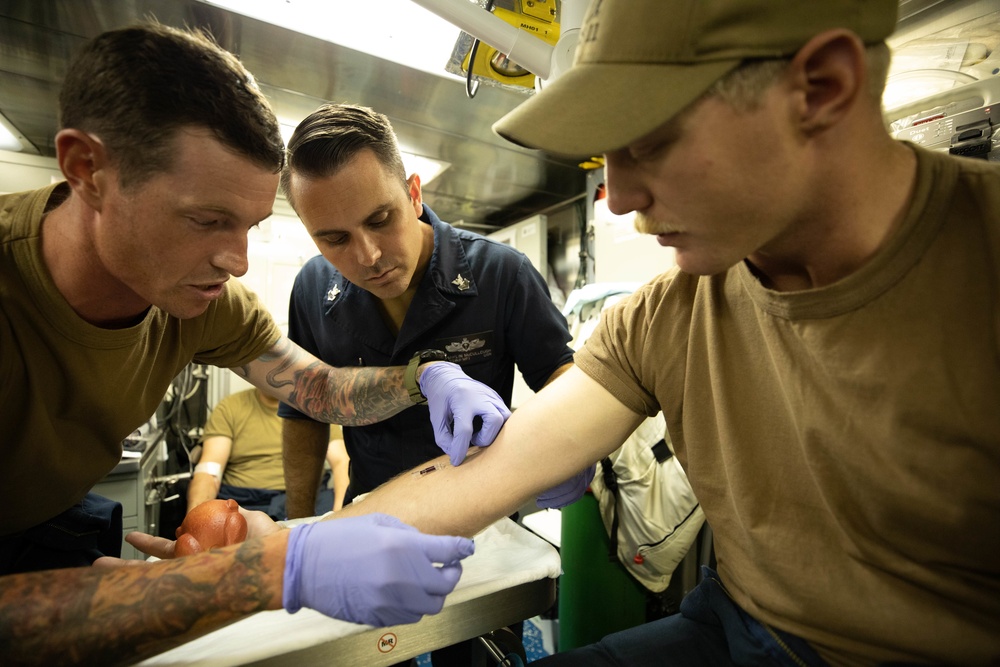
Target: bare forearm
{"x": 545, "y": 442}
{"x": 417, "y": 497}
{"x": 203, "y": 487}
{"x": 348, "y": 396}
{"x": 88, "y": 616}
{"x": 341, "y": 479}
{"x": 303, "y": 448}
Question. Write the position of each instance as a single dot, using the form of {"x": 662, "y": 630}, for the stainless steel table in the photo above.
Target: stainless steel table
{"x": 510, "y": 578}
{"x": 387, "y": 646}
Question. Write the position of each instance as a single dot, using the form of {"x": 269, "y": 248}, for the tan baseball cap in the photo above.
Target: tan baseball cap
{"x": 639, "y": 62}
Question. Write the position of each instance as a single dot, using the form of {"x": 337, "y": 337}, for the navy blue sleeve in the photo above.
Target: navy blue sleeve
{"x": 537, "y": 333}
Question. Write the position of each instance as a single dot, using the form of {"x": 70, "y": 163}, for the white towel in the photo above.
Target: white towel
{"x": 506, "y": 555}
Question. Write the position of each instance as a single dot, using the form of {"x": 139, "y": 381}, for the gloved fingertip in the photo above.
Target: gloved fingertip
{"x": 458, "y": 452}
{"x": 465, "y": 547}
{"x": 485, "y": 436}
{"x": 458, "y": 549}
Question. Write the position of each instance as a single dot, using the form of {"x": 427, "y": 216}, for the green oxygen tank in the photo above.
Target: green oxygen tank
{"x": 596, "y": 596}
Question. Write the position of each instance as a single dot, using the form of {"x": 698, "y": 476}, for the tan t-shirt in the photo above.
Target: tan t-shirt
{"x": 844, "y": 442}
{"x": 255, "y": 431}
{"x": 71, "y": 391}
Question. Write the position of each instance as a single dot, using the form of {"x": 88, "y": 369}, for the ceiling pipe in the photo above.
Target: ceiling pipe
{"x": 571, "y": 13}
{"x": 533, "y": 54}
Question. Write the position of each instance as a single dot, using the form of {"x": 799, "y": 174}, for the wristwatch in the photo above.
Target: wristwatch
{"x": 410, "y": 376}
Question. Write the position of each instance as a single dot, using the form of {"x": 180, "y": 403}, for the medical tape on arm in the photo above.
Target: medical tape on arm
{"x": 210, "y": 468}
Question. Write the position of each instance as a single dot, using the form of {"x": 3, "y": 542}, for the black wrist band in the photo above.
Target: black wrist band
{"x": 410, "y": 376}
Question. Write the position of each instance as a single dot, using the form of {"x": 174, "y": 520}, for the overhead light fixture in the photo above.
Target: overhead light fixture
{"x": 395, "y": 30}
{"x": 429, "y": 168}
{"x": 11, "y": 138}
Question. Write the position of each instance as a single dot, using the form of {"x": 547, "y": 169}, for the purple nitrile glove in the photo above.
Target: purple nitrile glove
{"x": 455, "y": 400}
{"x": 568, "y": 492}
{"x": 371, "y": 569}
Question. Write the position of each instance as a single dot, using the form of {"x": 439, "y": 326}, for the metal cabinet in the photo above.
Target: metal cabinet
{"x": 130, "y": 484}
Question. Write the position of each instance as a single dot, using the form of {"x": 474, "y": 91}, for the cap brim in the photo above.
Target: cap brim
{"x": 596, "y": 108}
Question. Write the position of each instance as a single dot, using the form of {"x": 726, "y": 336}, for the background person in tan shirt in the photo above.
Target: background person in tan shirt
{"x": 241, "y": 458}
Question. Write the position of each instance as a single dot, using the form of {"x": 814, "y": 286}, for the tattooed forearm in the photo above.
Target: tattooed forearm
{"x": 349, "y": 396}
{"x": 284, "y": 355}
{"x": 84, "y": 616}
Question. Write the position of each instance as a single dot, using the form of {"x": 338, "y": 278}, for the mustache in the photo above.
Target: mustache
{"x": 645, "y": 224}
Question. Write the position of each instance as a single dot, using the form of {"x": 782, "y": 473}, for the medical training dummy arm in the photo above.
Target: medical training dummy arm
{"x": 358, "y": 396}
{"x": 388, "y": 575}
{"x": 555, "y": 435}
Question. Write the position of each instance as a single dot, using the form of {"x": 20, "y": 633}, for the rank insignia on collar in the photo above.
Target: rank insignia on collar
{"x": 332, "y": 294}
{"x": 461, "y": 283}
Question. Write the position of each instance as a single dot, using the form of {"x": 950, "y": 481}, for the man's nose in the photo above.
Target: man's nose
{"x": 624, "y": 189}
{"x": 368, "y": 251}
{"x": 231, "y": 257}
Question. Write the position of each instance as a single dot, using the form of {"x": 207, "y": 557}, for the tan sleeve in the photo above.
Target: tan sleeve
{"x": 613, "y": 355}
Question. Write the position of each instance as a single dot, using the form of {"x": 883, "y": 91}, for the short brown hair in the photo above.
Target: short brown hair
{"x": 743, "y": 88}
{"x": 329, "y": 137}
{"x": 135, "y": 87}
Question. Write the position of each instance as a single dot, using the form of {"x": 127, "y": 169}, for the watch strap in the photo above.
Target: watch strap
{"x": 410, "y": 374}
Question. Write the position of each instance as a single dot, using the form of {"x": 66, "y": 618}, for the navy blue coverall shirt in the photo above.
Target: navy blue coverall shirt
{"x": 480, "y": 301}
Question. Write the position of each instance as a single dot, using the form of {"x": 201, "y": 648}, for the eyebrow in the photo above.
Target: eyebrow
{"x": 222, "y": 210}
{"x": 374, "y": 214}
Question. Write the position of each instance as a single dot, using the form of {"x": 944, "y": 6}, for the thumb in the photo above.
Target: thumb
{"x": 446, "y": 549}
{"x": 112, "y": 563}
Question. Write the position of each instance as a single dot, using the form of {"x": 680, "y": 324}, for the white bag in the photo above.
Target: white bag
{"x": 658, "y": 516}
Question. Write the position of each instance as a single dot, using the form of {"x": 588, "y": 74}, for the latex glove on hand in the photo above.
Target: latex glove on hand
{"x": 568, "y": 492}
{"x": 455, "y": 400}
{"x": 371, "y": 569}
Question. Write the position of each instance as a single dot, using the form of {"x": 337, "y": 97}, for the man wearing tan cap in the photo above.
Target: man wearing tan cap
{"x": 826, "y": 355}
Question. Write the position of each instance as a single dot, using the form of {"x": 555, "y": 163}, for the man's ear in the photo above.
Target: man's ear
{"x": 83, "y": 161}
{"x": 416, "y": 198}
{"x": 830, "y": 73}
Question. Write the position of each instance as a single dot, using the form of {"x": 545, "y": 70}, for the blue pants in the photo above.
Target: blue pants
{"x": 90, "y": 529}
{"x": 271, "y": 502}
{"x": 709, "y": 630}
